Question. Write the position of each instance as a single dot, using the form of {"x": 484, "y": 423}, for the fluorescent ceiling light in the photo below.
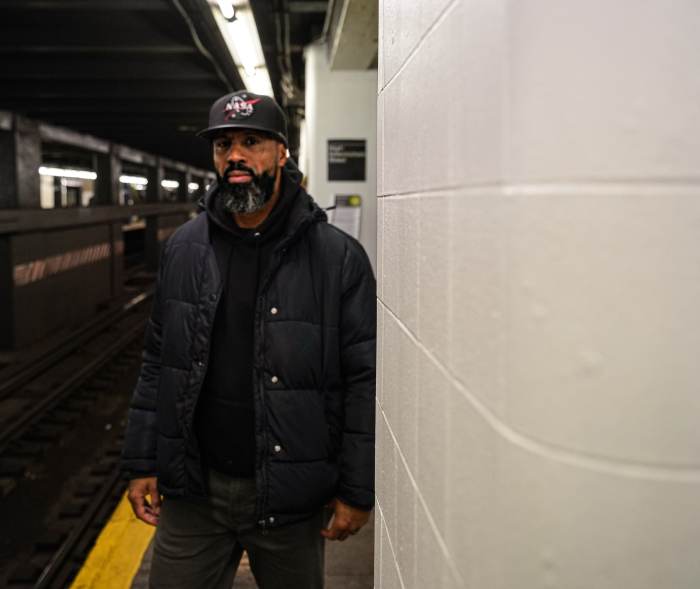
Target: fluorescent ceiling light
{"x": 192, "y": 186}
{"x": 170, "y": 184}
{"x": 226, "y": 8}
{"x": 243, "y": 42}
{"x": 65, "y": 173}
{"x": 124, "y": 179}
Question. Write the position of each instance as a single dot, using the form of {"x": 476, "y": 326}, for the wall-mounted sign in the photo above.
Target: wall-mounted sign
{"x": 347, "y": 159}
{"x": 347, "y": 213}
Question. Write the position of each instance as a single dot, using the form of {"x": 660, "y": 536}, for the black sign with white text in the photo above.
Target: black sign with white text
{"x": 347, "y": 159}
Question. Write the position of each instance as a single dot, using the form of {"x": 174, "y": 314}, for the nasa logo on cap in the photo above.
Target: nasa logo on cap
{"x": 239, "y": 107}
{"x": 246, "y": 110}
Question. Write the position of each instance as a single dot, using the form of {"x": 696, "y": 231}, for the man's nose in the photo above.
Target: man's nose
{"x": 235, "y": 153}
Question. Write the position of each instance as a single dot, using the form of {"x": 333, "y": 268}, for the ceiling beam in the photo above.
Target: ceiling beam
{"x": 354, "y": 35}
{"x": 99, "y": 49}
{"x": 72, "y": 138}
{"x": 122, "y": 76}
{"x": 85, "y": 5}
{"x": 134, "y": 156}
{"x": 189, "y": 122}
{"x": 108, "y": 90}
{"x": 118, "y": 108}
{"x": 113, "y": 66}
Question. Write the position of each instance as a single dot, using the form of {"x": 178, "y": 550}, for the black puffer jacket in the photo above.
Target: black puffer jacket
{"x": 314, "y": 369}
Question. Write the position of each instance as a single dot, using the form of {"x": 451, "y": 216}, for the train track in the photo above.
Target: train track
{"x": 43, "y": 384}
{"x": 63, "y": 418}
{"x": 59, "y": 553}
{"x": 14, "y": 380}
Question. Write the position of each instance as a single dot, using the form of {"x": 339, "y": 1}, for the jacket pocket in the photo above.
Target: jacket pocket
{"x": 297, "y": 425}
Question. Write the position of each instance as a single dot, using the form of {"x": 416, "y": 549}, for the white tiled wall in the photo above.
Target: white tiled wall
{"x": 539, "y": 294}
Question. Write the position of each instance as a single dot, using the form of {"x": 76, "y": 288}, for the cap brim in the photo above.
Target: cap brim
{"x": 210, "y": 132}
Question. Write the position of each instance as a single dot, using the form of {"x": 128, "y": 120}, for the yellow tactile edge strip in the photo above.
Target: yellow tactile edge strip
{"x": 116, "y": 557}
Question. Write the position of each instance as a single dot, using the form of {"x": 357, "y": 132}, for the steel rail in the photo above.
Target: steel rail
{"x": 66, "y": 346}
{"x": 24, "y": 421}
{"x": 62, "y": 555}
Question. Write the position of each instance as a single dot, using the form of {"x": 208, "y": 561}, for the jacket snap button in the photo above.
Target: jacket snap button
{"x": 200, "y": 363}
{"x": 275, "y": 380}
{"x": 271, "y": 519}
{"x": 278, "y": 448}
{"x": 273, "y": 310}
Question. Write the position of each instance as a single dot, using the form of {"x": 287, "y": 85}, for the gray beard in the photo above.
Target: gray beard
{"x": 242, "y": 199}
{"x": 247, "y": 198}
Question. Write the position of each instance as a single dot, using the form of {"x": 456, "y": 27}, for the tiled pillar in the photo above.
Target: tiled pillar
{"x": 539, "y": 278}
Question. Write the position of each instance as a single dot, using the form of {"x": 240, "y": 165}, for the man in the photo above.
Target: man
{"x": 255, "y": 403}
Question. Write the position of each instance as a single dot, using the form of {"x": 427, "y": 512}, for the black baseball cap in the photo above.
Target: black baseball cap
{"x": 245, "y": 110}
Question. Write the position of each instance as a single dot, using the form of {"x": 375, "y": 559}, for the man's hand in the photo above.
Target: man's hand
{"x": 346, "y": 521}
{"x": 138, "y": 490}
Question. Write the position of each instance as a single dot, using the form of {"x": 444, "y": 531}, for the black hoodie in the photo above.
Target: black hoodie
{"x": 225, "y": 412}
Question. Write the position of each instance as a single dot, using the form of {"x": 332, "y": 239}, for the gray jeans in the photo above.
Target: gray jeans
{"x": 199, "y": 543}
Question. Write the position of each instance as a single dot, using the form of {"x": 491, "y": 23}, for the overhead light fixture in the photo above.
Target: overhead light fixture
{"x": 192, "y": 186}
{"x": 138, "y": 180}
{"x": 171, "y": 184}
{"x": 241, "y": 35}
{"x": 228, "y": 10}
{"x": 67, "y": 173}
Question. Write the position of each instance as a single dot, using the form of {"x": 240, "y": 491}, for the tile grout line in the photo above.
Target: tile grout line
{"x": 612, "y": 466}
{"x": 403, "y": 325}
{"x": 556, "y": 187}
{"x": 391, "y": 545}
{"x": 441, "y": 541}
{"x": 426, "y": 33}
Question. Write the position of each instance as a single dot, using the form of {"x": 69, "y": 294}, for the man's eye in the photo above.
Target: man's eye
{"x": 251, "y": 140}
{"x": 222, "y": 145}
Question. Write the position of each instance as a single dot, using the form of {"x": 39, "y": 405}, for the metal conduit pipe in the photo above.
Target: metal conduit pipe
{"x": 200, "y": 46}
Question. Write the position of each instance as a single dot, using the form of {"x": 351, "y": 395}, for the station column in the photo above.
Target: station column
{"x": 155, "y": 177}
{"x": 20, "y": 158}
{"x": 108, "y": 168}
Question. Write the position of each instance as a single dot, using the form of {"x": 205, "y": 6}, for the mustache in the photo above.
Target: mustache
{"x": 239, "y": 167}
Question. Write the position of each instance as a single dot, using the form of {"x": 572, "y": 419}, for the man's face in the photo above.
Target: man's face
{"x": 248, "y": 166}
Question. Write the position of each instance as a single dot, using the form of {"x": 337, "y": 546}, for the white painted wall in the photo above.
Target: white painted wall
{"x": 340, "y": 105}
{"x": 539, "y": 294}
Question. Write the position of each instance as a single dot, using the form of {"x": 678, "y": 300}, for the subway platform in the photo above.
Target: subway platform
{"x": 121, "y": 558}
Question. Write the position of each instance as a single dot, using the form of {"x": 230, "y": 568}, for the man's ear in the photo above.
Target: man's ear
{"x": 282, "y": 154}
